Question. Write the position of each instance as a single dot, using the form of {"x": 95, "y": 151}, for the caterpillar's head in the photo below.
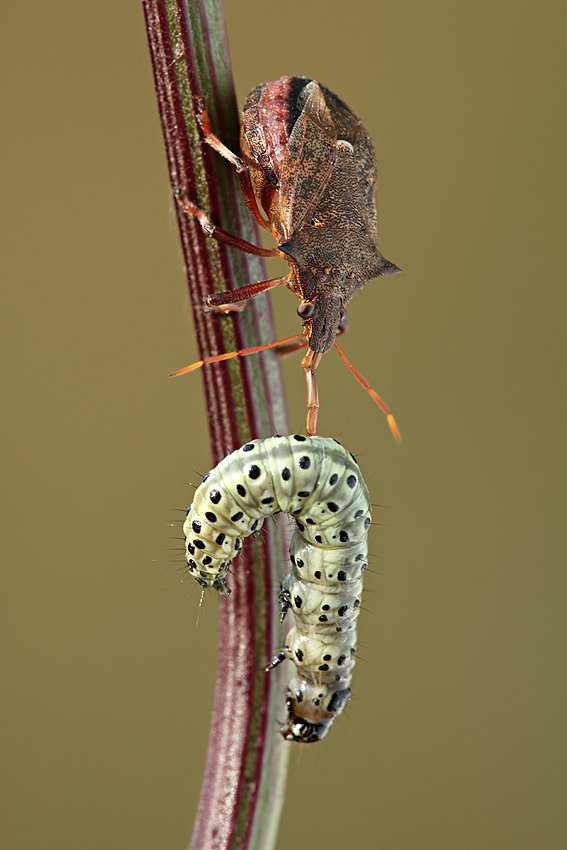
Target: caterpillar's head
{"x": 299, "y": 730}
{"x": 310, "y": 711}
{"x": 215, "y": 578}
{"x": 219, "y": 584}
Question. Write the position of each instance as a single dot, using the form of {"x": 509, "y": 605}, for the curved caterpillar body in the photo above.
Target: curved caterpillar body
{"x": 319, "y": 484}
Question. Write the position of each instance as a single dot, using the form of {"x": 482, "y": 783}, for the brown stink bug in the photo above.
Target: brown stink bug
{"x": 308, "y": 163}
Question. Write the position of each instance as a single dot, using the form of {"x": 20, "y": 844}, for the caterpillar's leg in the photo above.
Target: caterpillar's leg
{"x": 277, "y": 659}
{"x": 284, "y": 598}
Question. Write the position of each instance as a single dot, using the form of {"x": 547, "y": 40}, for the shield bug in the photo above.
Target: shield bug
{"x": 308, "y": 164}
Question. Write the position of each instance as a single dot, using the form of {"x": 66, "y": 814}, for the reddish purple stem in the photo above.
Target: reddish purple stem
{"x": 245, "y": 773}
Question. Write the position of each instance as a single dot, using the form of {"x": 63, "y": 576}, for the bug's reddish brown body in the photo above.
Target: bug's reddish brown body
{"x": 308, "y": 165}
{"x": 313, "y": 172}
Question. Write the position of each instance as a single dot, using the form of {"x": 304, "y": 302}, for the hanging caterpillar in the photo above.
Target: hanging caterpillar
{"x": 318, "y": 483}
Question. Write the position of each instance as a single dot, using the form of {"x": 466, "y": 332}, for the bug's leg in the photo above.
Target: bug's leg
{"x": 277, "y": 659}
{"x": 250, "y": 198}
{"x": 241, "y": 167}
{"x": 220, "y": 235}
{"x": 235, "y": 299}
{"x": 309, "y": 364}
{"x": 389, "y": 415}
{"x": 290, "y": 347}
{"x": 243, "y": 352}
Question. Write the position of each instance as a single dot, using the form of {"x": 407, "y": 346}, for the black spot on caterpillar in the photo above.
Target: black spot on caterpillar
{"x": 318, "y": 483}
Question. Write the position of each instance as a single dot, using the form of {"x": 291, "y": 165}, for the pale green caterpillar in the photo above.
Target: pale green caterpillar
{"x": 318, "y": 483}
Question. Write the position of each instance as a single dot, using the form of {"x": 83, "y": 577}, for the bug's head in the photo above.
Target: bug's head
{"x": 328, "y": 267}
{"x": 325, "y": 317}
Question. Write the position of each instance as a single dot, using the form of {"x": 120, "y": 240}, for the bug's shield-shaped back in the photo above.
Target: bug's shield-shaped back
{"x": 309, "y": 159}
{"x": 327, "y": 203}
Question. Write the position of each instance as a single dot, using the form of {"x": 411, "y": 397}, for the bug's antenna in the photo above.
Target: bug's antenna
{"x": 242, "y": 353}
{"x": 391, "y": 421}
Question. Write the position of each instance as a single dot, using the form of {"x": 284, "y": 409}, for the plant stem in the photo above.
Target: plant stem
{"x": 244, "y": 781}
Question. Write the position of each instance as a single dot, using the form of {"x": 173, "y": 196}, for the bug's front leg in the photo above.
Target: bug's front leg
{"x": 241, "y": 167}
{"x": 309, "y": 364}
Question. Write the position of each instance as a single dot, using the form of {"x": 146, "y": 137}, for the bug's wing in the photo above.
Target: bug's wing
{"x": 309, "y": 159}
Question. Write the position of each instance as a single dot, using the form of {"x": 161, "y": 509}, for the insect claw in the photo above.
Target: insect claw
{"x": 276, "y": 660}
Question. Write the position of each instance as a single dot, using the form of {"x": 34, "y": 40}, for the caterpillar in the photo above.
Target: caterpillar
{"x": 318, "y": 483}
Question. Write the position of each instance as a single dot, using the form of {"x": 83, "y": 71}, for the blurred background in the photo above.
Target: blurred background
{"x": 455, "y": 736}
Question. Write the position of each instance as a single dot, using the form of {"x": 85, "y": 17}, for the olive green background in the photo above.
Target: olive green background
{"x": 455, "y": 736}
